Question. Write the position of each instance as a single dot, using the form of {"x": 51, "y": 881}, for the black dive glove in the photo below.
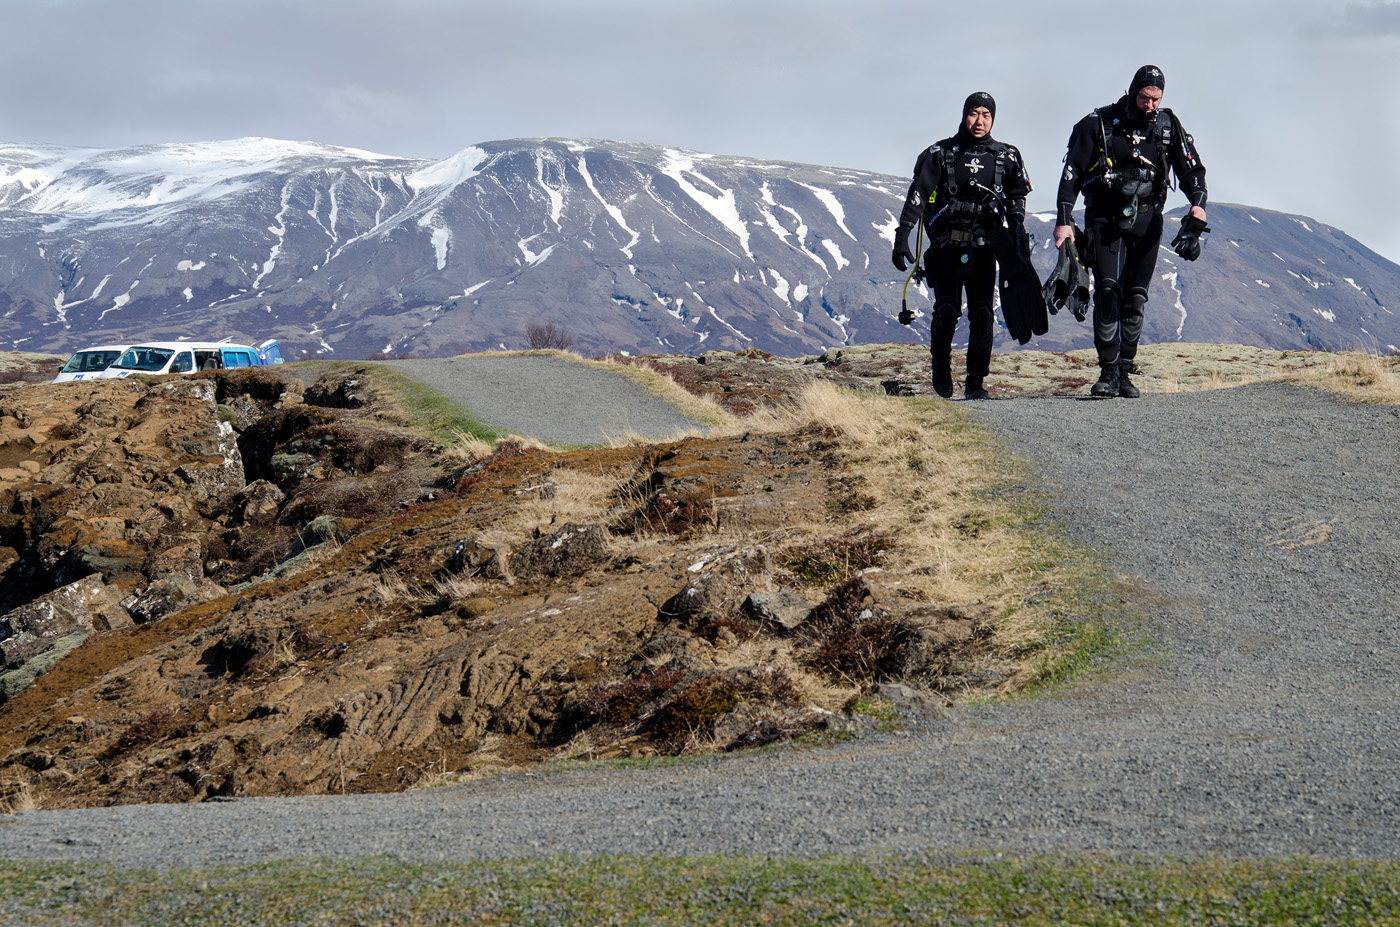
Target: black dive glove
{"x": 1187, "y": 243}
{"x": 903, "y": 256}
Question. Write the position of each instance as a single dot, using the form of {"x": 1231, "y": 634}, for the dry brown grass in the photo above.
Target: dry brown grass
{"x": 457, "y": 588}
{"x": 1358, "y": 375}
{"x": 468, "y": 449}
{"x": 924, "y": 465}
{"x": 929, "y": 470}
{"x": 391, "y": 589}
{"x": 485, "y": 761}
{"x": 574, "y": 496}
{"x": 22, "y": 798}
{"x": 815, "y": 691}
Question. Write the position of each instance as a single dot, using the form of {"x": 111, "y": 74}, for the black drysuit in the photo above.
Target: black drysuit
{"x": 1125, "y": 188}
{"x": 965, "y": 204}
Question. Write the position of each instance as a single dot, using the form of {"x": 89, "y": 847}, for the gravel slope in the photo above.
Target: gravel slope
{"x": 1261, "y": 518}
{"x": 550, "y": 398}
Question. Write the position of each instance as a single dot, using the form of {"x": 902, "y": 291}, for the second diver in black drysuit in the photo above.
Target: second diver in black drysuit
{"x": 963, "y": 186}
{"x": 1119, "y": 156}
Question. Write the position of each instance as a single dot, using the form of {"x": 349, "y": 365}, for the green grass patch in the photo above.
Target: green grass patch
{"x": 1096, "y": 624}
{"x": 942, "y": 888}
{"x": 883, "y": 712}
{"x": 1096, "y": 621}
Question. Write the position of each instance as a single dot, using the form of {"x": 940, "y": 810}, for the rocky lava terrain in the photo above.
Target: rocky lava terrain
{"x": 247, "y": 585}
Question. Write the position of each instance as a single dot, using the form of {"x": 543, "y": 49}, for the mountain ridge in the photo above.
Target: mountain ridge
{"x": 632, "y": 247}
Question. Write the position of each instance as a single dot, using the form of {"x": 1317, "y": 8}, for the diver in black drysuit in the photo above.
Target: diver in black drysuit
{"x": 957, "y": 207}
{"x": 1125, "y": 189}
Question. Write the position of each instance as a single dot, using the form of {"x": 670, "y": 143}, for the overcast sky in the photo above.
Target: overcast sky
{"x": 1294, "y": 105}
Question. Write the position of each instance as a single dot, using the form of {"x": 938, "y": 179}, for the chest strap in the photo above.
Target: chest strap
{"x": 950, "y": 173}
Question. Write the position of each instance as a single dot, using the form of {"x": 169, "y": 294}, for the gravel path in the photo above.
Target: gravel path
{"x": 550, "y": 398}
{"x": 1262, "y": 518}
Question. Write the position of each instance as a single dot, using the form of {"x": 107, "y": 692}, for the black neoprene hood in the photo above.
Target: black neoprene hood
{"x": 1149, "y": 75}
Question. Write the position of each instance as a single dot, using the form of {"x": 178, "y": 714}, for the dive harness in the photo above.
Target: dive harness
{"x": 1133, "y": 186}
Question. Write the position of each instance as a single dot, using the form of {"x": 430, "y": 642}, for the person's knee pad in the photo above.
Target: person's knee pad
{"x": 1107, "y": 305}
{"x": 980, "y": 312}
{"x": 1134, "y": 304}
{"x": 947, "y": 310}
{"x": 1107, "y": 295}
{"x": 1134, "y": 300}
{"x": 945, "y": 318}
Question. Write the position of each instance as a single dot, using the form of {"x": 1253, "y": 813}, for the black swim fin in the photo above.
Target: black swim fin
{"x": 1067, "y": 287}
{"x": 1022, "y": 302}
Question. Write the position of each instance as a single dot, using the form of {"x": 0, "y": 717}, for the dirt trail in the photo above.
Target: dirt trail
{"x": 550, "y": 398}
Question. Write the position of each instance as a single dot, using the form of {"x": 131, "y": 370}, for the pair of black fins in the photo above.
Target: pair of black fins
{"x": 1067, "y": 287}
{"x": 1022, "y": 301}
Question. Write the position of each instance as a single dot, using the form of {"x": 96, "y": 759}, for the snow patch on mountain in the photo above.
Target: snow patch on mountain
{"x": 449, "y": 173}
{"x": 680, "y": 166}
{"x": 279, "y": 231}
{"x": 611, "y": 210}
{"x": 832, "y": 204}
{"x": 1171, "y": 279}
{"x": 555, "y": 192}
{"x": 835, "y": 251}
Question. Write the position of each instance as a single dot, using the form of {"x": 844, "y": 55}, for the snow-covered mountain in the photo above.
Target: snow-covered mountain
{"x": 628, "y": 247}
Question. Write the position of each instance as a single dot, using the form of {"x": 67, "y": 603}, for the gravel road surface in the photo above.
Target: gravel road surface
{"x": 1263, "y": 521}
{"x": 555, "y": 400}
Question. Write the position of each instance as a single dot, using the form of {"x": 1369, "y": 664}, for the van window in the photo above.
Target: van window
{"x": 139, "y": 358}
{"x": 183, "y": 363}
{"x": 89, "y": 361}
{"x": 237, "y": 359}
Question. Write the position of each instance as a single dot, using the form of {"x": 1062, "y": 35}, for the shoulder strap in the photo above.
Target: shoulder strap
{"x": 1105, "y": 162}
{"x": 950, "y": 173}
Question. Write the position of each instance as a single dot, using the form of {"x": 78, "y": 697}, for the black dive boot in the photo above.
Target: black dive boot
{"x": 1107, "y": 386}
{"x": 977, "y": 365}
{"x": 1126, "y": 389}
{"x": 942, "y": 368}
{"x": 943, "y": 376}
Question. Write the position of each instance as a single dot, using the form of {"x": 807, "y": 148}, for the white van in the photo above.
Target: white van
{"x": 89, "y": 363}
{"x": 160, "y": 357}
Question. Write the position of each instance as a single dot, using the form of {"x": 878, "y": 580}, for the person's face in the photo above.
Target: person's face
{"x": 978, "y": 122}
{"x": 1148, "y": 99}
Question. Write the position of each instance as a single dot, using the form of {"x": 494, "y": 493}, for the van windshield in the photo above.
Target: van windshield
{"x": 89, "y": 361}
{"x": 143, "y": 359}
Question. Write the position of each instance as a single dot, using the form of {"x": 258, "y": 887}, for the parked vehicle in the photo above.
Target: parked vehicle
{"x": 88, "y": 363}
{"x": 159, "y": 357}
